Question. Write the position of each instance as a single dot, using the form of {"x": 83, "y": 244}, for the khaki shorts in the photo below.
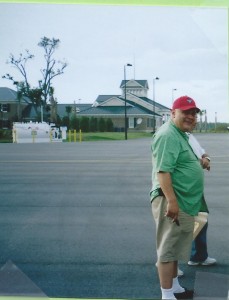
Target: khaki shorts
{"x": 173, "y": 242}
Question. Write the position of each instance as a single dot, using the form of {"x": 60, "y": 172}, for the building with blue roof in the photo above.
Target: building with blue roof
{"x": 142, "y": 112}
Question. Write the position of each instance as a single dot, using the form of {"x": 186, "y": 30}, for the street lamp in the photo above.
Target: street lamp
{"x": 205, "y": 120}
{"x": 173, "y": 95}
{"x": 127, "y": 65}
{"x": 42, "y": 113}
{"x": 154, "y": 119}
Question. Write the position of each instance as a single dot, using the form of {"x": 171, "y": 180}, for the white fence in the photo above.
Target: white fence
{"x": 37, "y": 133}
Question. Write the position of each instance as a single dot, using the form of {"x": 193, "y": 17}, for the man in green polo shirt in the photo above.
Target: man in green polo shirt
{"x": 176, "y": 195}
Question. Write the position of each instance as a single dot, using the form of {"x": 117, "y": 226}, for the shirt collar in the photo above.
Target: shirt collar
{"x": 180, "y": 131}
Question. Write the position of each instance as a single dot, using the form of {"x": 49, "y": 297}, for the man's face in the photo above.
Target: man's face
{"x": 185, "y": 120}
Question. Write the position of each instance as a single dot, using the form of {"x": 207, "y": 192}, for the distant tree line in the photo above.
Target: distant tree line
{"x": 211, "y": 127}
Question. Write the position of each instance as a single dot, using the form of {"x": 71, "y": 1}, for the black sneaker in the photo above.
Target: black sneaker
{"x": 187, "y": 294}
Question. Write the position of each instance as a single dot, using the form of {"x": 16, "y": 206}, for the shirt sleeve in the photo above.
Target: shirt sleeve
{"x": 195, "y": 145}
{"x": 165, "y": 153}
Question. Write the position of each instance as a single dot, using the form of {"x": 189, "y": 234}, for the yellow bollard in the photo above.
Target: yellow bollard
{"x": 14, "y": 136}
{"x": 69, "y": 136}
{"x": 33, "y": 135}
{"x": 50, "y": 135}
{"x": 80, "y": 136}
{"x": 74, "y": 134}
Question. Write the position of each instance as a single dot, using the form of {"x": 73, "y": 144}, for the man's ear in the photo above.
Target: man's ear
{"x": 173, "y": 113}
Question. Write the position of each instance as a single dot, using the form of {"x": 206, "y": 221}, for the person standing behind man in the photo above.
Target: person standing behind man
{"x": 199, "y": 253}
{"x": 176, "y": 195}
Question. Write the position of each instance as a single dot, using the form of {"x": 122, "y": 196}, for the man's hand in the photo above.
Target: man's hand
{"x": 167, "y": 188}
{"x": 205, "y": 163}
{"x": 172, "y": 210}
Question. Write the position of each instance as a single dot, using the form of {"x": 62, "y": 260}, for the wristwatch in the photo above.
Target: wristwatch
{"x": 208, "y": 158}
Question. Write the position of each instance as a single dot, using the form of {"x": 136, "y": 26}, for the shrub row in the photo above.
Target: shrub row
{"x": 87, "y": 124}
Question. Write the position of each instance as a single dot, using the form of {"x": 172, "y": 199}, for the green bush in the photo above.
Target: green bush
{"x": 65, "y": 121}
{"x": 6, "y": 136}
{"x": 101, "y": 125}
{"x": 84, "y": 124}
{"x": 93, "y": 126}
{"x": 75, "y": 123}
{"x": 109, "y": 125}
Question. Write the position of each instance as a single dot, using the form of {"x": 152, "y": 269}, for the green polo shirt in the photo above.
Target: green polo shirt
{"x": 171, "y": 153}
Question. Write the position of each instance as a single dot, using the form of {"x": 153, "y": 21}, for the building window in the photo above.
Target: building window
{"x": 150, "y": 122}
{"x": 5, "y": 107}
{"x": 131, "y": 122}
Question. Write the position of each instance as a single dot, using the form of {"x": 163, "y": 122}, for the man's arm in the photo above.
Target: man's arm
{"x": 165, "y": 181}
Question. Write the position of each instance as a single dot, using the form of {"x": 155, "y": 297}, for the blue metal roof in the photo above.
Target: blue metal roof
{"x": 10, "y": 96}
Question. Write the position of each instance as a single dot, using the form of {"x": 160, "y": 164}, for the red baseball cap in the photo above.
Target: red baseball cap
{"x": 185, "y": 103}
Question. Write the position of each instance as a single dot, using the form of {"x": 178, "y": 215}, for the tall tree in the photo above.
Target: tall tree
{"x": 41, "y": 94}
{"x": 52, "y": 68}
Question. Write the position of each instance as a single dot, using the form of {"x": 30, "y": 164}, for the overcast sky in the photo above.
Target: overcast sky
{"x": 185, "y": 47}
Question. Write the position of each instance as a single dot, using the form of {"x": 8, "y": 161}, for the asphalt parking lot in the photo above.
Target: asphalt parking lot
{"x": 75, "y": 220}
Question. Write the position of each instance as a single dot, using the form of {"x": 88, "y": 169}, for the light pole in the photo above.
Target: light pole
{"x": 173, "y": 96}
{"x": 75, "y": 108}
{"x": 42, "y": 113}
{"x": 205, "y": 120}
{"x": 127, "y": 65}
{"x": 154, "y": 119}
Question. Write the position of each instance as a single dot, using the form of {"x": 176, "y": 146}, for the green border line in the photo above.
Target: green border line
{"x": 199, "y": 3}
